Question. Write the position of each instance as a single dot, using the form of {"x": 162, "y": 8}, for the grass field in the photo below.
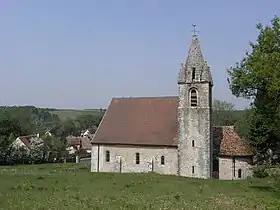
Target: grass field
{"x": 69, "y": 186}
{"x": 63, "y": 114}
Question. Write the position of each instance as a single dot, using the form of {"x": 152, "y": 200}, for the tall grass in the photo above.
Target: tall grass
{"x": 72, "y": 186}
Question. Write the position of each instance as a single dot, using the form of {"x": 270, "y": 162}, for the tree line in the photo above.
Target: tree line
{"x": 25, "y": 120}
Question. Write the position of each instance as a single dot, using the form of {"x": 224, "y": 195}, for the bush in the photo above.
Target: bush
{"x": 260, "y": 171}
{"x": 273, "y": 171}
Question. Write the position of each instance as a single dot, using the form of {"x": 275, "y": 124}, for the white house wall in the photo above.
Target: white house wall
{"x": 18, "y": 143}
{"x": 150, "y": 160}
{"x": 123, "y": 159}
{"x": 228, "y": 170}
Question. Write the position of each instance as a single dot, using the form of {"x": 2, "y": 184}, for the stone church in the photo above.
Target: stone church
{"x": 171, "y": 135}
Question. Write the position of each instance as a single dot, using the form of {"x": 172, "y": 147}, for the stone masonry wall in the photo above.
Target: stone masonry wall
{"x": 123, "y": 159}
{"x": 226, "y": 168}
{"x": 197, "y": 128}
{"x": 94, "y": 158}
{"x": 181, "y": 128}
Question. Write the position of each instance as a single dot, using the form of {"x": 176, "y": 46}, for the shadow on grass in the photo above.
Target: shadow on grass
{"x": 273, "y": 190}
{"x": 263, "y": 188}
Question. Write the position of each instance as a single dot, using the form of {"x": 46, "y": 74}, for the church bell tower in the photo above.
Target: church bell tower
{"x": 195, "y": 115}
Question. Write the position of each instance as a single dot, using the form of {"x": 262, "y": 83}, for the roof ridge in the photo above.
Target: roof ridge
{"x": 30, "y": 135}
{"x": 223, "y": 126}
{"x": 144, "y": 97}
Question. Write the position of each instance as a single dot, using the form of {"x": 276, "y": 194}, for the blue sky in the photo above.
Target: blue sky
{"x": 80, "y": 54}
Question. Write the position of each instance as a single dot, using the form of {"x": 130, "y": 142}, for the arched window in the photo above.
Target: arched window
{"x": 193, "y": 169}
{"x": 137, "y": 157}
{"x": 162, "y": 160}
{"x": 193, "y": 98}
{"x": 107, "y": 156}
{"x": 192, "y": 143}
{"x": 239, "y": 173}
{"x": 193, "y": 73}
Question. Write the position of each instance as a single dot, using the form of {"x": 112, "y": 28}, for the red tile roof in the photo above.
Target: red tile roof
{"x": 84, "y": 142}
{"x": 149, "y": 121}
{"x": 26, "y": 140}
{"x": 153, "y": 121}
{"x": 230, "y": 143}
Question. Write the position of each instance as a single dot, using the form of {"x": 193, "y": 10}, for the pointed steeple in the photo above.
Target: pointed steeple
{"x": 195, "y": 57}
{"x": 196, "y": 68}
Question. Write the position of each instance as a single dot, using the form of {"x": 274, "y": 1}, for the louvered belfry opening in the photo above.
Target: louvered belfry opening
{"x": 193, "y": 98}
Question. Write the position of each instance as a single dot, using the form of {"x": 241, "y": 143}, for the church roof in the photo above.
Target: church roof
{"x": 139, "y": 121}
{"x": 153, "y": 121}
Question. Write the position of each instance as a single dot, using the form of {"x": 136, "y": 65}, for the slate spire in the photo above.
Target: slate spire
{"x": 195, "y": 57}
{"x": 195, "y": 68}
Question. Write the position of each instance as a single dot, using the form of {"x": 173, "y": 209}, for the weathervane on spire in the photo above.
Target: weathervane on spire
{"x": 194, "y": 31}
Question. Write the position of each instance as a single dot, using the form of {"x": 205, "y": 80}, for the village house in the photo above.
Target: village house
{"x": 79, "y": 145}
{"x": 28, "y": 142}
{"x": 32, "y": 142}
{"x": 171, "y": 135}
{"x": 86, "y": 133}
{"x": 75, "y": 143}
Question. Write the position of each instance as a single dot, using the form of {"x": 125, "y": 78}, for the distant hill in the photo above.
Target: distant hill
{"x": 49, "y": 115}
{"x": 219, "y": 117}
{"x": 73, "y": 113}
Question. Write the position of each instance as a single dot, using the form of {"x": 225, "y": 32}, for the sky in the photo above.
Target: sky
{"x": 81, "y": 54}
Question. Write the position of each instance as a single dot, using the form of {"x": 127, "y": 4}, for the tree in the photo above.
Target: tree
{"x": 257, "y": 77}
{"x": 9, "y": 125}
{"x": 243, "y": 123}
{"x": 56, "y": 147}
{"x": 6, "y": 148}
{"x": 89, "y": 122}
{"x": 9, "y": 129}
{"x": 74, "y": 127}
{"x": 220, "y": 105}
{"x": 18, "y": 155}
{"x": 224, "y": 113}
{"x": 30, "y": 118}
{"x": 65, "y": 128}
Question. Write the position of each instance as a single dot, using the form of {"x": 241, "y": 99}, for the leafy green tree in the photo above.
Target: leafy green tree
{"x": 221, "y": 105}
{"x": 55, "y": 146}
{"x": 224, "y": 113}
{"x": 257, "y": 77}
{"x": 31, "y": 119}
{"x": 9, "y": 129}
{"x": 64, "y": 128}
{"x": 18, "y": 155}
{"x": 37, "y": 150}
{"x": 6, "y": 148}
{"x": 242, "y": 125}
{"x": 9, "y": 125}
{"x": 89, "y": 122}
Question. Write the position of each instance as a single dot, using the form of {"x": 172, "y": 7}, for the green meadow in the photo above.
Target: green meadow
{"x": 72, "y": 186}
